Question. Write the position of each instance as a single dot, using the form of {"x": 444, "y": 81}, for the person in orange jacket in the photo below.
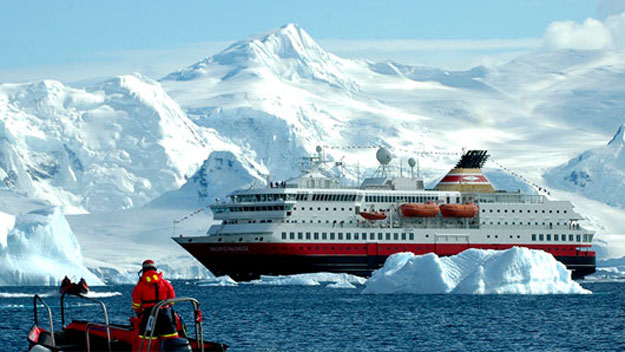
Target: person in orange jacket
{"x": 151, "y": 289}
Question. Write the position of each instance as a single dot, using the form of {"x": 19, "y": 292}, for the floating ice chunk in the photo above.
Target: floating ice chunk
{"x": 288, "y": 280}
{"x": 218, "y": 281}
{"x": 341, "y": 284}
{"x": 311, "y": 279}
{"x": 92, "y": 294}
{"x": 513, "y": 271}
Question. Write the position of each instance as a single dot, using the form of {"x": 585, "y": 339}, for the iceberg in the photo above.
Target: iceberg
{"x": 514, "y": 271}
{"x": 38, "y": 248}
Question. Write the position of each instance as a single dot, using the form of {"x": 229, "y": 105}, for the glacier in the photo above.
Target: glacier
{"x": 39, "y": 248}
{"x": 517, "y": 270}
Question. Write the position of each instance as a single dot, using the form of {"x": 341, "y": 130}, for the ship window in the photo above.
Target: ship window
{"x": 356, "y": 236}
{"x": 579, "y": 238}
{"x": 571, "y": 238}
{"x": 284, "y": 235}
{"x": 411, "y": 236}
{"x": 292, "y": 235}
{"x": 331, "y": 235}
{"x": 403, "y": 236}
{"x": 316, "y": 235}
{"x": 307, "y": 235}
{"x": 395, "y": 236}
{"x": 548, "y": 237}
{"x": 388, "y": 236}
{"x": 533, "y": 237}
{"x": 324, "y": 236}
{"x": 556, "y": 237}
{"x": 541, "y": 237}
{"x": 372, "y": 236}
{"x": 348, "y": 236}
{"x": 340, "y": 235}
{"x": 381, "y": 236}
{"x": 299, "y": 235}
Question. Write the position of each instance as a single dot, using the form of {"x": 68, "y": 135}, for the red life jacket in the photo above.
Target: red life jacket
{"x": 150, "y": 289}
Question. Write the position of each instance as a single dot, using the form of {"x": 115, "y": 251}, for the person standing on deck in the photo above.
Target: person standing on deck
{"x": 151, "y": 289}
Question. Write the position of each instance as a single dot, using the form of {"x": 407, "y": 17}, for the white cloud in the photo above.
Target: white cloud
{"x": 589, "y": 35}
{"x": 616, "y": 25}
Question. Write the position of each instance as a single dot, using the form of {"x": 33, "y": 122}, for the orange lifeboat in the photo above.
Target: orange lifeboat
{"x": 467, "y": 210}
{"x": 419, "y": 210}
{"x": 373, "y": 215}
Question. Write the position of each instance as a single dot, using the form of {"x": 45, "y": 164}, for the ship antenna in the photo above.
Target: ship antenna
{"x": 418, "y": 174}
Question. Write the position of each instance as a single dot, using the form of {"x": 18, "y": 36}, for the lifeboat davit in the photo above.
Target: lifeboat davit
{"x": 419, "y": 210}
{"x": 459, "y": 210}
{"x": 373, "y": 215}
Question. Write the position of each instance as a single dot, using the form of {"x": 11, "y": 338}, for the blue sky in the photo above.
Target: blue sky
{"x": 41, "y": 38}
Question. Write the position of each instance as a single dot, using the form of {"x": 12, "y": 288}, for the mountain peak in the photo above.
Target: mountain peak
{"x": 287, "y": 42}
{"x": 288, "y": 52}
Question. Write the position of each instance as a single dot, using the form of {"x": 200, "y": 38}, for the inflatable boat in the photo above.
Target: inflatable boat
{"x": 83, "y": 335}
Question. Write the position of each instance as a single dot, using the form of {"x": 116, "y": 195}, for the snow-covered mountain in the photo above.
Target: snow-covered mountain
{"x": 279, "y": 95}
{"x": 597, "y": 173}
{"x": 113, "y": 145}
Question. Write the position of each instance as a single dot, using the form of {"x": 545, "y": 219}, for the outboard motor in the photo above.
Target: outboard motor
{"x": 176, "y": 345}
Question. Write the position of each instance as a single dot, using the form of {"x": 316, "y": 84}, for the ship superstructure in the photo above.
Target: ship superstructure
{"x": 313, "y": 223}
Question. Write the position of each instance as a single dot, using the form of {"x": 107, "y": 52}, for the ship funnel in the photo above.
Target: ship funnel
{"x": 467, "y": 175}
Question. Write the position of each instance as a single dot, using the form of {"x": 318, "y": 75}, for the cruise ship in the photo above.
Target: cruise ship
{"x": 315, "y": 223}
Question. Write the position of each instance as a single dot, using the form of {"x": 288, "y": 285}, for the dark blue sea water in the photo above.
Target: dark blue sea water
{"x": 265, "y": 318}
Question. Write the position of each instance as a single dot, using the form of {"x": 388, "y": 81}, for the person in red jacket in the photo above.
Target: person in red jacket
{"x": 151, "y": 289}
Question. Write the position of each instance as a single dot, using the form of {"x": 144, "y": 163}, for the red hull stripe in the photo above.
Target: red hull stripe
{"x": 464, "y": 179}
{"x": 362, "y": 249}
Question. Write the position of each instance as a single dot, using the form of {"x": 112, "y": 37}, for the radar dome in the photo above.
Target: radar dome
{"x": 412, "y": 162}
{"x": 319, "y": 149}
{"x": 384, "y": 156}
